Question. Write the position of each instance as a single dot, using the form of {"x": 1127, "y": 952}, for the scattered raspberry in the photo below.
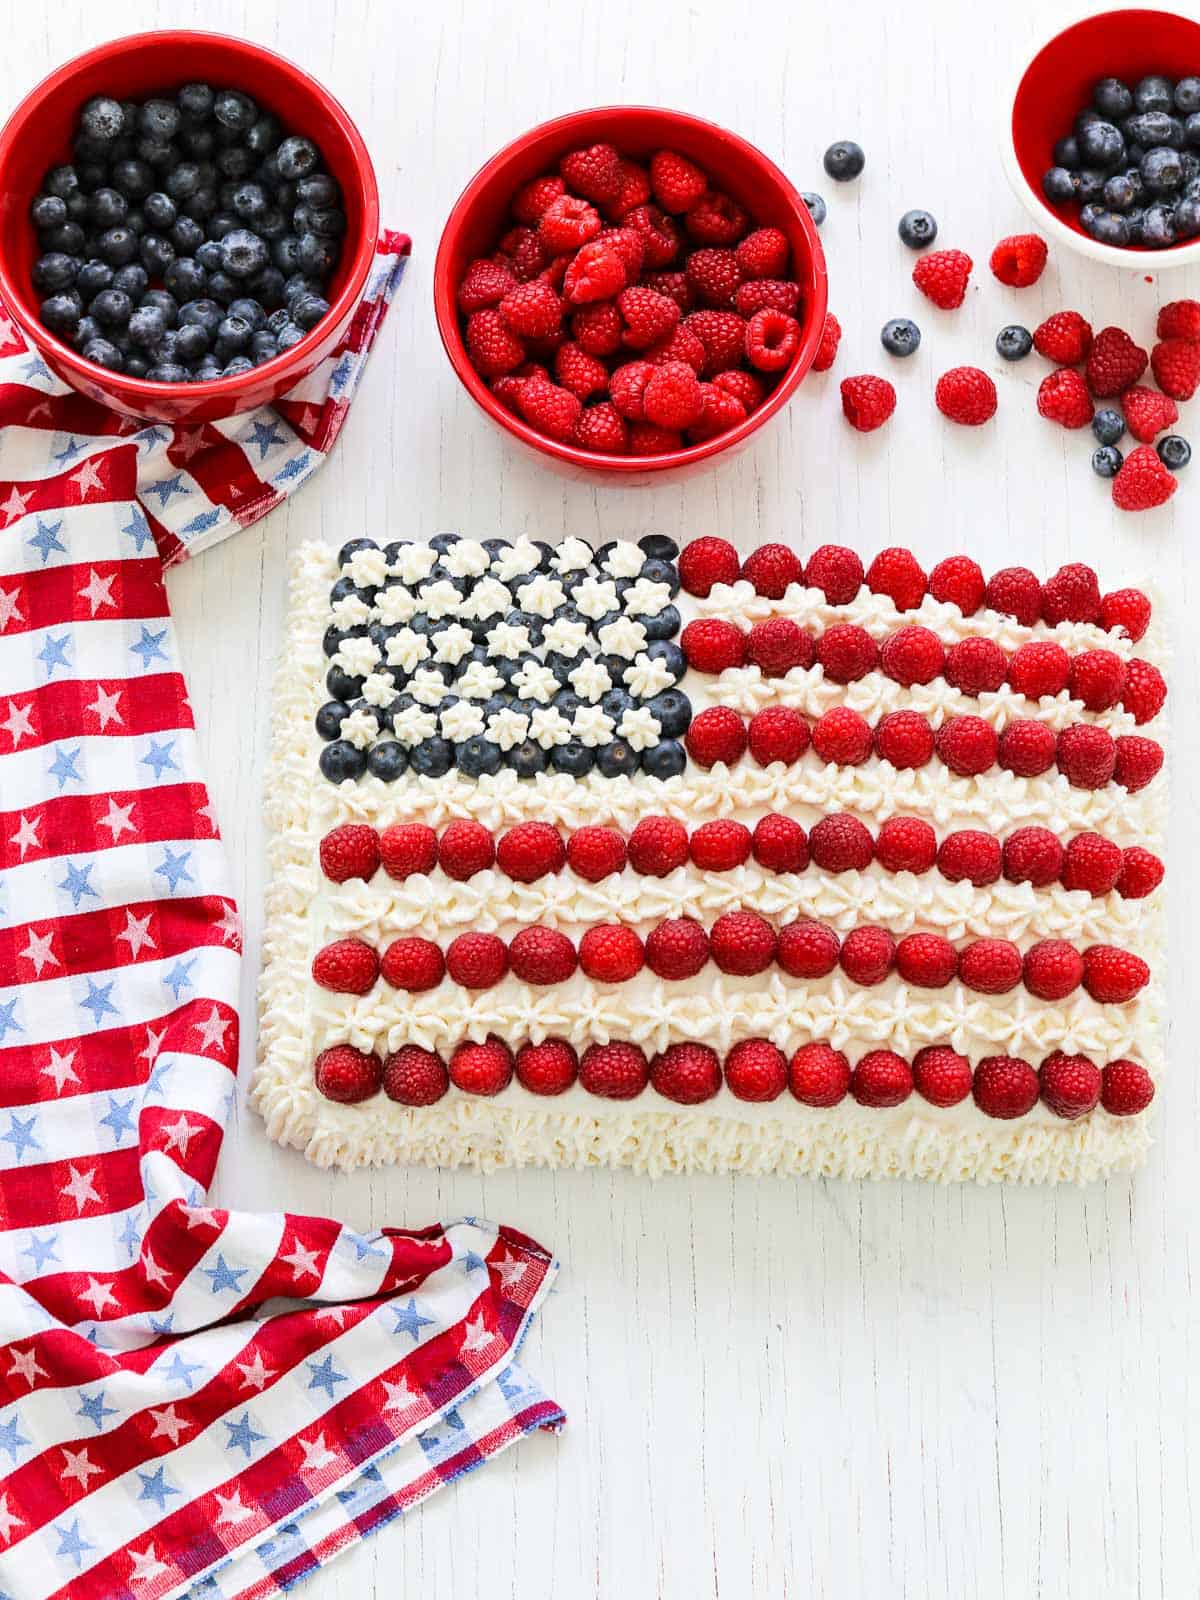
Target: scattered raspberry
{"x": 723, "y": 335}
{"x": 772, "y": 340}
{"x": 1142, "y": 481}
{"x": 1114, "y": 363}
{"x": 912, "y": 655}
{"x": 743, "y": 386}
{"x": 676, "y": 948}
{"x": 1147, "y": 412}
{"x": 346, "y": 1075}
{"x": 1015, "y": 592}
{"x": 1143, "y": 691}
{"x": 648, "y": 317}
{"x": 594, "y": 173}
{"x": 705, "y": 562}
{"x": 413, "y": 964}
{"x": 771, "y": 568}
{"x": 990, "y": 966}
{"x": 349, "y": 851}
{"x": 476, "y": 960}
{"x": 967, "y": 745}
{"x": 1127, "y": 611}
{"x": 1065, "y": 338}
{"x": 881, "y": 1078}
{"x": 548, "y": 1068}
{"x": 532, "y": 199}
{"x": 493, "y": 348}
{"x": 1038, "y": 668}
{"x": 1092, "y": 863}
{"x": 1097, "y": 678}
{"x": 484, "y": 285}
{"x": 807, "y": 949}
{"x": 761, "y": 294}
{"x": 672, "y": 397}
{"x": 976, "y": 665}
{"x": 1052, "y": 969}
{"x": 958, "y": 581}
{"x": 927, "y": 960}
{"x": 660, "y": 235}
{"x": 1113, "y": 976}
{"x": 532, "y": 310}
{"x": 1138, "y": 761}
{"x": 714, "y": 276}
{"x": 868, "y": 955}
{"x": 609, "y": 952}
{"x": 941, "y": 276}
{"x": 1141, "y": 873}
{"x": 550, "y": 409}
{"x": 1005, "y": 1087}
{"x": 594, "y": 853}
{"x": 413, "y": 1076}
{"x": 1027, "y": 748}
{"x": 778, "y": 645}
{"x": 742, "y": 943}
{"x": 827, "y": 347}
{"x": 1071, "y": 595}
{"x": 897, "y": 573}
{"x": 465, "y": 848}
{"x": 1126, "y": 1088}
{"x": 603, "y": 430}
{"x": 1032, "y": 855}
{"x": 482, "y": 1069}
{"x": 966, "y": 395}
{"x": 840, "y": 843}
{"x": 1176, "y": 367}
{"x": 764, "y": 253}
{"x": 906, "y": 844}
{"x": 676, "y": 182}
{"x": 846, "y": 652}
{"x": 657, "y": 846}
{"x": 407, "y": 848}
{"x": 1086, "y": 755}
{"x": 970, "y": 855}
{"x": 717, "y": 734}
{"x": 941, "y": 1076}
{"x": 867, "y": 402}
{"x": 616, "y": 1071}
{"x": 756, "y": 1071}
{"x": 716, "y": 219}
{"x": 721, "y": 845}
{"x": 597, "y": 329}
{"x": 582, "y": 374}
{"x": 1019, "y": 260}
{"x": 541, "y": 956}
{"x": 905, "y": 739}
{"x": 779, "y": 843}
{"x": 686, "y": 1073}
{"x": 567, "y": 224}
{"x": 836, "y": 571}
{"x": 819, "y": 1075}
{"x": 1180, "y": 319}
{"x": 1063, "y": 397}
{"x": 841, "y": 737}
{"x": 347, "y": 966}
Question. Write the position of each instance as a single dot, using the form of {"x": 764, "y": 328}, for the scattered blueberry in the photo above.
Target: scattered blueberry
{"x": 844, "y": 160}
{"x": 917, "y": 229}
{"x": 1014, "y": 342}
{"x": 900, "y": 336}
{"x": 1108, "y": 425}
{"x": 1174, "y": 452}
{"x": 341, "y": 760}
{"x": 1106, "y": 461}
{"x": 816, "y": 206}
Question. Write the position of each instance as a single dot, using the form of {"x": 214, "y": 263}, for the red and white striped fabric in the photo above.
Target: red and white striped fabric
{"x": 163, "y": 1429}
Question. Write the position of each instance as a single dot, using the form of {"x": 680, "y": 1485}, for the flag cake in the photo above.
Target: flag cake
{"x": 681, "y": 860}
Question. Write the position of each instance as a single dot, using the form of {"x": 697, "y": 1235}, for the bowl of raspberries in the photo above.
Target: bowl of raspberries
{"x": 189, "y": 221}
{"x": 630, "y": 289}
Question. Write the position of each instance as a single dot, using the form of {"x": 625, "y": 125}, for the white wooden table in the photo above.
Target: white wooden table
{"x": 775, "y": 1388}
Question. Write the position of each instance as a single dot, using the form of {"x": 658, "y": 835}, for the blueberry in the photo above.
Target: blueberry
{"x": 1154, "y": 93}
{"x": 242, "y": 253}
{"x": 1151, "y": 128}
{"x": 655, "y": 570}
{"x": 132, "y": 178}
{"x": 196, "y": 101}
{"x": 387, "y": 760}
{"x": 1066, "y": 152}
{"x": 220, "y": 224}
{"x": 844, "y": 160}
{"x": 572, "y": 758}
{"x": 54, "y": 271}
{"x": 1086, "y": 117}
{"x": 104, "y": 353}
{"x": 341, "y": 760}
{"x": 208, "y": 255}
{"x": 1158, "y": 229}
{"x": 136, "y": 366}
{"x": 672, "y": 710}
{"x": 665, "y": 760}
{"x": 1108, "y": 425}
{"x": 233, "y": 335}
{"x": 1059, "y": 185}
{"x": 527, "y": 759}
{"x": 816, "y": 206}
{"x": 234, "y": 163}
{"x": 1106, "y": 461}
{"x": 658, "y": 547}
{"x": 615, "y": 703}
{"x": 670, "y": 655}
{"x": 917, "y": 229}
{"x": 133, "y": 279}
{"x": 1174, "y": 452}
{"x": 352, "y": 547}
{"x": 1109, "y": 227}
{"x": 432, "y": 758}
{"x": 1119, "y": 192}
{"x": 112, "y": 308}
{"x": 48, "y": 211}
{"x": 262, "y": 138}
{"x": 92, "y": 277}
{"x": 664, "y": 626}
{"x": 61, "y": 181}
{"x": 1135, "y": 220}
{"x": 222, "y": 288}
{"x": 159, "y": 119}
{"x": 900, "y": 337}
{"x": 61, "y": 312}
{"x": 296, "y": 158}
{"x": 477, "y": 756}
{"x": 186, "y": 236}
{"x": 267, "y": 287}
{"x": 191, "y": 344}
{"x": 167, "y": 372}
{"x": 1187, "y": 218}
{"x": 1191, "y": 129}
{"x": 249, "y": 201}
{"x": 1089, "y": 185}
{"x": 566, "y": 702}
{"x": 330, "y": 717}
{"x": 329, "y": 223}
{"x": 107, "y": 208}
{"x": 341, "y": 685}
{"x": 618, "y": 759}
{"x": 1101, "y": 144}
{"x": 1112, "y": 98}
{"x": 308, "y": 309}
{"x": 185, "y": 279}
{"x": 87, "y": 330}
{"x": 199, "y": 142}
{"x": 319, "y": 190}
{"x": 235, "y": 111}
{"x": 1162, "y": 169}
{"x": 103, "y": 118}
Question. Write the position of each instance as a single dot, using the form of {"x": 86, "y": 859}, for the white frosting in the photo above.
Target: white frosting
{"x": 592, "y": 726}
{"x": 624, "y": 560}
{"x": 378, "y": 689}
{"x": 521, "y": 557}
{"x": 488, "y": 598}
{"x": 467, "y": 559}
{"x": 595, "y": 598}
{"x": 566, "y": 638}
{"x": 414, "y": 562}
{"x": 462, "y": 720}
{"x": 640, "y": 727}
{"x": 414, "y": 724}
{"x": 367, "y": 568}
{"x": 351, "y": 610}
{"x": 648, "y": 676}
{"x": 590, "y": 679}
{"x": 541, "y": 595}
{"x": 549, "y": 727}
{"x": 572, "y": 555}
{"x": 508, "y": 640}
{"x": 452, "y": 644}
{"x": 356, "y": 657}
{"x": 407, "y": 649}
{"x": 507, "y": 728}
{"x": 396, "y": 604}
{"x": 427, "y": 686}
{"x": 646, "y": 598}
{"x": 479, "y": 681}
{"x": 624, "y": 637}
{"x": 440, "y": 599}
{"x": 536, "y": 682}
{"x": 360, "y": 728}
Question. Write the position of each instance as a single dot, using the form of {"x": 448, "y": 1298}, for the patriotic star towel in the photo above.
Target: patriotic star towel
{"x": 192, "y": 1401}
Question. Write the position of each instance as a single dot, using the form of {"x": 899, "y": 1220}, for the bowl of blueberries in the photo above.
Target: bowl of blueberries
{"x": 187, "y": 222}
{"x": 1104, "y": 145}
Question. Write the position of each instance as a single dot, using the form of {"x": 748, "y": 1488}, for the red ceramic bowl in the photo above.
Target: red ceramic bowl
{"x": 1056, "y": 86}
{"x": 38, "y": 134}
{"x": 734, "y": 166}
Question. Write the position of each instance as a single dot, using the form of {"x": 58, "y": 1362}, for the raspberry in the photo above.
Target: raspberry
{"x": 1065, "y": 338}
{"x": 723, "y": 335}
{"x": 958, "y": 581}
{"x": 990, "y": 966}
{"x": 897, "y": 573}
{"x": 764, "y": 253}
{"x": 676, "y": 182}
{"x": 772, "y": 340}
{"x": 464, "y": 849}
{"x": 966, "y": 395}
{"x": 1026, "y": 748}
{"x": 779, "y": 843}
{"x": 1142, "y": 482}
{"x": 840, "y": 843}
{"x": 532, "y": 310}
{"x": 976, "y": 665}
{"x": 778, "y": 645}
{"x": 492, "y": 347}
{"x": 967, "y": 745}
{"x": 657, "y": 846}
{"x": 905, "y": 739}
{"x": 686, "y": 1073}
{"x": 1018, "y": 260}
{"x": 532, "y": 199}
{"x": 841, "y": 737}
{"x": 529, "y": 851}
{"x": 762, "y": 294}
{"x": 1138, "y": 761}
{"x": 720, "y": 846}
{"x": 660, "y": 235}
{"x": 672, "y": 398}
{"x": 413, "y": 964}
{"x": 867, "y": 402}
{"x": 1125, "y": 1086}
{"x": 970, "y": 855}
{"x": 627, "y": 388}
{"x": 413, "y": 1076}
{"x": 594, "y": 173}
{"x": 1113, "y": 976}
{"x": 1114, "y": 363}
{"x": 547, "y": 1068}
{"x": 347, "y": 966}
{"x": 743, "y": 386}
{"x": 1015, "y": 592}
{"x": 942, "y": 276}
{"x": 407, "y": 848}
{"x": 807, "y": 949}
{"x": 1040, "y": 668}
{"x": 616, "y": 1071}
{"x": 602, "y": 429}
{"x": 683, "y": 345}
{"x": 597, "y": 329}
{"x": 1180, "y": 319}
{"x": 1176, "y": 367}
{"x": 476, "y": 960}
{"x": 881, "y": 1079}
{"x": 1092, "y": 863}
{"x": 836, "y": 571}
{"x": 717, "y": 734}
{"x": 819, "y": 1075}
{"x": 645, "y": 439}
{"x": 508, "y": 390}
{"x": 648, "y": 317}
{"x": 529, "y": 258}
{"x": 349, "y": 851}
{"x": 579, "y": 372}
{"x": 1032, "y": 855}
{"x": 742, "y": 943}
{"x": 827, "y": 348}
{"x": 704, "y": 562}
{"x": 716, "y": 219}
{"x": 868, "y": 955}
{"x": 927, "y": 960}
{"x": 595, "y": 853}
{"x": 912, "y": 655}
{"x": 677, "y": 948}
{"x": 1005, "y": 1087}
{"x": 541, "y": 956}
{"x": 609, "y": 952}
{"x": 1062, "y": 397}
{"x": 1071, "y": 595}
{"x": 626, "y": 245}
{"x": 1126, "y": 611}
{"x": 346, "y": 1075}
{"x": 846, "y": 652}
{"x": 673, "y": 284}
{"x": 1144, "y": 690}
{"x": 941, "y": 1076}
{"x": 1052, "y": 969}
{"x": 771, "y": 568}
{"x": 906, "y": 844}
{"x": 550, "y": 409}
{"x": 756, "y": 1071}
{"x": 1086, "y": 755}
{"x": 482, "y": 1069}
{"x": 714, "y": 276}
{"x": 1141, "y": 873}
{"x": 1147, "y": 412}
{"x": 634, "y": 191}
{"x": 1097, "y": 677}
{"x": 567, "y": 224}
{"x": 484, "y": 285}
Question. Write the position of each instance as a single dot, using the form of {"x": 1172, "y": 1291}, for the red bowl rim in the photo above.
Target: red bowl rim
{"x": 446, "y": 310}
{"x": 278, "y": 366}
